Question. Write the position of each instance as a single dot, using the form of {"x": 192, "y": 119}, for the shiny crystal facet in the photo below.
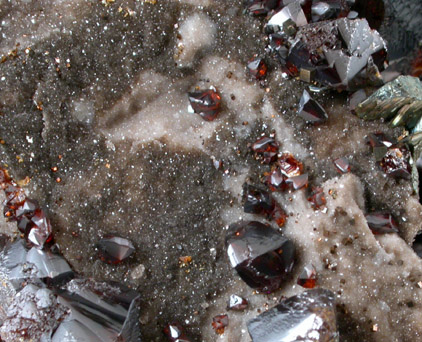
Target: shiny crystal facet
{"x": 396, "y": 162}
{"x": 275, "y": 180}
{"x": 257, "y": 68}
{"x": 381, "y": 223}
{"x": 266, "y": 148}
{"x": 298, "y": 182}
{"x": 289, "y": 166}
{"x": 206, "y": 103}
{"x": 308, "y": 277}
{"x": 292, "y": 11}
{"x": 310, "y": 110}
{"x": 114, "y": 249}
{"x": 237, "y": 303}
{"x": 309, "y": 316}
{"x": 262, "y": 257}
{"x": 257, "y": 201}
{"x": 317, "y": 198}
{"x": 342, "y": 164}
{"x": 175, "y": 333}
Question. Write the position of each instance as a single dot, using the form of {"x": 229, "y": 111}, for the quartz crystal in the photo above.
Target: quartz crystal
{"x": 114, "y": 249}
{"x": 309, "y": 316}
{"x": 262, "y": 257}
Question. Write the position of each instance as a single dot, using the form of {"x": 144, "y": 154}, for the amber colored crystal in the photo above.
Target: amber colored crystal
{"x": 257, "y": 68}
{"x": 206, "y": 103}
{"x": 308, "y": 277}
{"x": 278, "y": 215}
{"x": 289, "y": 165}
{"x": 266, "y": 148}
{"x": 219, "y": 323}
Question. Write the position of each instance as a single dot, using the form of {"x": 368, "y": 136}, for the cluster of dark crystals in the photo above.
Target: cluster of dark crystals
{"x": 30, "y": 218}
{"x": 205, "y": 103}
{"x": 309, "y": 316}
{"x": 333, "y": 50}
{"x": 266, "y": 148}
{"x": 50, "y": 302}
{"x": 262, "y": 257}
{"x": 259, "y": 201}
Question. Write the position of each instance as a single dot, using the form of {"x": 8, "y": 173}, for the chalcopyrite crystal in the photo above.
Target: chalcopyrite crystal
{"x": 309, "y": 316}
{"x": 310, "y": 110}
{"x": 114, "y": 249}
{"x": 262, "y": 257}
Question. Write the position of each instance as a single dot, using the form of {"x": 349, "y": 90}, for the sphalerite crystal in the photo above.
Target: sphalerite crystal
{"x": 237, "y": 303}
{"x": 257, "y": 68}
{"x": 114, "y": 249}
{"x": 310, "y": 110}
{"x": 381, "y": 223}
{"x": 396, "y": 162}
{"x": 206, "y": 103}
{"x": 262, "y": 257}
{"x": 175, "y": 333}
{"x": 219, "y": 323}
{"x": 342, "y": 164}
{"x": 266, "y": 148}
{"x": 317, "y": 198}
{"x": 308, "y": 277}
{"x": 309, "y": 316}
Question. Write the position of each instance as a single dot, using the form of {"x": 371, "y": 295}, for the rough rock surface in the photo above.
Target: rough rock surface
{"x": 98, "y": 90}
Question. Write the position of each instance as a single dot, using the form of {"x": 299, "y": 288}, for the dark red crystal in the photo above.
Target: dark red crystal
{"x": 308, "y": 277}
{"x": 317, "y": 198}
{"x": 206, "y": 103}
{"x": 275, "y": 180}
{"x": 342, "y": 165}
{"x": 262, "y": 257}
{"x": 257, "y": 68}
{"x": 257, "y": 201}
{"x": 237, "y": 303}
{"x": 289, "y": 165}
{"x": 266, "y": 148}
{"x": 379, "y": 143}
{"x": 175, "y": 333}
{"x": 38, "y": 232}
{"x": 329, "y": 9}
{"x": 114, "y": 249}
{"x": 298, "y": 182}
{"x": 310, "y": 110}
{"x": 278, "y": 215}
{"x": 396, "y": 162}
{"x": 381, "y": 223}
{"x": 219, "y": 323}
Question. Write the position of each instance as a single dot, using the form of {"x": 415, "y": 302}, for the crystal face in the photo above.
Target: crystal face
{"x": 381, "y": 223}
{"x": 308, "y": 277}
{"x": 309, "y": 316}
{"x": 237, "y": 303}
{"x": 289, "y": 165}
{"x": 310, "y": 110}
{"x": 275, "y": 180}
{"x": 266, "y": 148}
{"x": 114, "y": 249}
{"x": 206, "y": 103}
{"x": 262, "y": 257}
{"x": 175, "y": 333}
{"x": 298, "y": 182}
{"x": 219, "y": 323}
{"x": 342, "y": 165}
{"x": 317, "y": 198}
{"x": 396, "y": 162}
{"x": 257, "y": 68}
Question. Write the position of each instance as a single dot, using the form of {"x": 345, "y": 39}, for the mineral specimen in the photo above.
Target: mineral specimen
{"x": 175, "y": 333}
{"x": 266, "y": 148}
{"x": 396, "y": 162}
{"x": 310, "y": 316}
{"x": 308, "y": 277}
{"x": 257, "y": 68}
{"x": 262, "y": 257}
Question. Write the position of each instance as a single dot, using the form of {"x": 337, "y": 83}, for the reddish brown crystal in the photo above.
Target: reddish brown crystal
{"x": 175, "y": 333}
{"x": 266, "y": 148}
{"x": 289, "y": 165}
{"x": 219, "y": 323}
{"x": 342, "y": 165}
{"x": 308, "y": 277}
{"x": 278, "y": 215}
{"x": 275, "y": 180}
{"x": 298, "y": 182}
{"x": 206, "y": 103}
{"x": 381, "y": 223}
{"x": 257, "y": 68}
{"x": 237, "y": 303}
{"x": 317, "y": 198}
{"x": 396, "y": 162}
